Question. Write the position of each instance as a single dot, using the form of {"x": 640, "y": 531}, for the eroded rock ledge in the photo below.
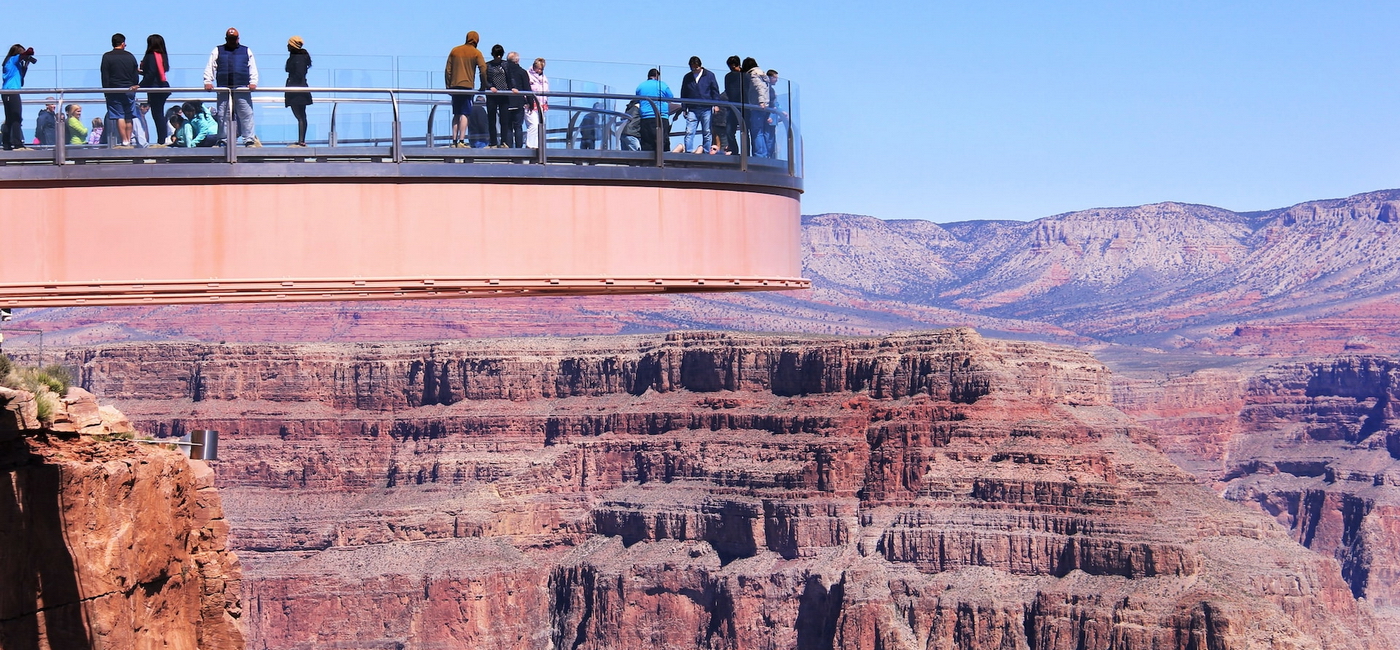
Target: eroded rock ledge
{"x": 711, "y": 490}
{"x": 105, "y": 543}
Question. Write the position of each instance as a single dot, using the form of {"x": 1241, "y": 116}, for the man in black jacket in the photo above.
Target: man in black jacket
{"x": 119, "y": 70}
{"x": 733, "y": 92}
{"x": 699, "y": 84}
{"x": 519, "y": 81}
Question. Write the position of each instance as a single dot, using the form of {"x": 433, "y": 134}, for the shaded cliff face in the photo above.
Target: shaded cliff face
{"x": 105, "y": 543}
{"x": 1315, "y": 444}
{"x": 721, "y": 491}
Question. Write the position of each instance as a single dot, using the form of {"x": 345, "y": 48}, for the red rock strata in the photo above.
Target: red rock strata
{"x": 1316, "y": 444}
{"x": 106, "y": 543}
{"x": 721, "y": 491}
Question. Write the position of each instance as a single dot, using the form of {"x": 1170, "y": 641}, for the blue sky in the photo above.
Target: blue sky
{"x": 936, "y": 110}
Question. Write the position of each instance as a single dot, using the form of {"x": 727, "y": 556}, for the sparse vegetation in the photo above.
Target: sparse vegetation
{"x": 47, "y": 384}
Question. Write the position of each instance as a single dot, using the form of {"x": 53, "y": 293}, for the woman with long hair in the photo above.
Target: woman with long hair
{"x": 12, "y": 71}
{"x": 155, "y": 67}
{"x": 298, "y": 63}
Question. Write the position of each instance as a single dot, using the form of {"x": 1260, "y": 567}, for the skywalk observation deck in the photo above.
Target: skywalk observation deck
{"x": 380, "y": 206}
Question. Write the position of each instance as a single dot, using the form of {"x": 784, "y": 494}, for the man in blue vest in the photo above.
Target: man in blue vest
{"x": 232, "y": 65}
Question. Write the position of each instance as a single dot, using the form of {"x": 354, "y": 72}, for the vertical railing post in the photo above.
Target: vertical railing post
{"x": 432, "y": 113}
{"x": 541, "y": 132}
{"x": 331, "y": 138}
{"x": 231, "y": 126}
{"x": 743, "y": 139}
{"x": 396, "y": 145}
{"x": 60, "y": 132}
{"x": 791, "y": 145}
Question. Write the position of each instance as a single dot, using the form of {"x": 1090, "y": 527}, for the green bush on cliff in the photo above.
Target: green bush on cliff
{"x": 6, "y": 367}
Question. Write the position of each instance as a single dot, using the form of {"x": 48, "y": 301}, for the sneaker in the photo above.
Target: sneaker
{"x": 253, "y": 142}
{"x": 297, "y": 144}
{"x": 680, "y": 148}
{"x": 157, "y": 146}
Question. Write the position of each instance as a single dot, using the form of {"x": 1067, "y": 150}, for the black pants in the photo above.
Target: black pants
{"x": 730, "y": 131}
{"x": 649, "y": 126}
{"x": 299, "y": 112}
{"x": 157, "y": 102}
{"x": 12, "y": 131}
{"x": 513, "y": 127}
{"x": 496, "y": 110}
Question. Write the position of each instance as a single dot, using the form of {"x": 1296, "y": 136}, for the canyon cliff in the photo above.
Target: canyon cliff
{"x": 105, "y": 543}
{"x": 936, "y": 490}
{"x": 1315, "y": 444}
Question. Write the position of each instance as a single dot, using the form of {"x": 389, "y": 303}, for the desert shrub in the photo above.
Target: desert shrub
{"x": 61, "y": 376}
{"x": 44, "y": 402}
{"x": 6, "y": 366}
{"x": 36, "y": 380}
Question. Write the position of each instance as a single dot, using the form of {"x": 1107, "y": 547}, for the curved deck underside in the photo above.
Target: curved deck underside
{"x": 109, "y": 234}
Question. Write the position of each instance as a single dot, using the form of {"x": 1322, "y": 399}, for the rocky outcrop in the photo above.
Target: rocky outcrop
{"x": 723, "y": 491}
{"x": 1313, "y": 444}
{"x": 105, "y": 543}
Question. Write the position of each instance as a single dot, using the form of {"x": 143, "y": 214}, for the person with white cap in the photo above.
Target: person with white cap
{"x": 232, "y": 65}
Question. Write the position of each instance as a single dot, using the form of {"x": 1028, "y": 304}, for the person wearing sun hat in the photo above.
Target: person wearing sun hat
{"x": 298, "y": 63}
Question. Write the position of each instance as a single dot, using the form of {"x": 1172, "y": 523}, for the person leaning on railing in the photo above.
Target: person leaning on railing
{"x": 15, "y": 66}
{"x": 232, "y": 65}
{"x": 655, "y": 114}
{"x": 119, "y": 71}
{"x": 699, "y": 83}
{"x": 757, "y": 93}
{"x": 513, "y": 124}
{"x": 463, "y": 65}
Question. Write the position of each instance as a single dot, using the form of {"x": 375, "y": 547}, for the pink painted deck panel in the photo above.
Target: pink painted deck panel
{"x": 139, "y": 244}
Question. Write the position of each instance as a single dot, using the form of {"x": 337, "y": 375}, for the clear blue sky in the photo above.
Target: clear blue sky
{"x": 936, "y": 110}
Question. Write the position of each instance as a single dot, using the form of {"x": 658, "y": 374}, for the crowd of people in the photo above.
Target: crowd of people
{"x": 497, "y": 103}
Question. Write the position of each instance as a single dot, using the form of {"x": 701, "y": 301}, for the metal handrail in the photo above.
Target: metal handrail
{"x": 429, "y": 97}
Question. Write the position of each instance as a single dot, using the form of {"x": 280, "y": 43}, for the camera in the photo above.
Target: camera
{"x": 28, "y": 55}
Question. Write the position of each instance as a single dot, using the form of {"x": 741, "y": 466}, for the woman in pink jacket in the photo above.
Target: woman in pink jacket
{"x": 535, "y": 111}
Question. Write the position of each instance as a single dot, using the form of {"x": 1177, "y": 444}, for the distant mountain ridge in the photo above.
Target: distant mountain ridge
{"x": 1319, "y": 276}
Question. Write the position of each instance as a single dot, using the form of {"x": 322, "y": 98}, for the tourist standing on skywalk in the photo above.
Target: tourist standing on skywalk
{"x": 757, "y": 93}
{"x": 298, "y": 64}
{"x": 734, "y": 93}
{"x": 655, "y": 113}
{"x": 155, "y": 68}
{"x": 46, "y": 125}
{"x": 120, "y": 70}
{"x": 496, "y": 80}
{"x": 15, "y": 66}
{"x": 463, "y": 65}
{"x": 536, "y": 108}
{"x": 699, "y": 83}
{"x": 513, "y": 130}
{"x": 232, "y": 65}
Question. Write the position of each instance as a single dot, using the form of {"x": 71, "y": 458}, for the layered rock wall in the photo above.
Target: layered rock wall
{"x": 721, "y": 491}
{"x": 1313, "y": 444}
{"x": 105, "y": 543}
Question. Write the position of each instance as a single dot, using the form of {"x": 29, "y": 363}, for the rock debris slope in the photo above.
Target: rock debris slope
{"x": 105, "y": 543}
{"x": 708, "y": 490}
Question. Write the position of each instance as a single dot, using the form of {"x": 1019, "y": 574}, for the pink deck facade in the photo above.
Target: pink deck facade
{"x": 339, "y": 240}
